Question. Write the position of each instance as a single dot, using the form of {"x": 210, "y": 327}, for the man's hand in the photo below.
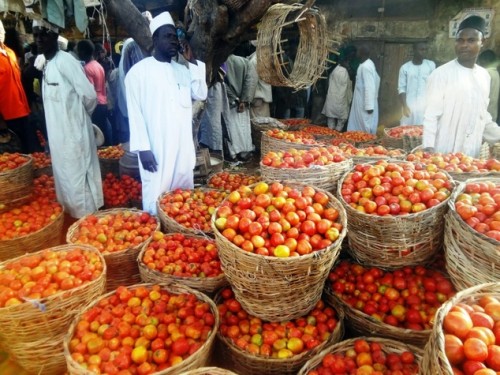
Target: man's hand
{"x": 241, "y": 107}
{"x": 369, "y": 111}
{"x": 406, "y": 111}
{"x": 148, "y": 161}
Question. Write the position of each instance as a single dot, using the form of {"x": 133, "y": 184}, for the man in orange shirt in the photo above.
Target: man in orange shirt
{"x": 14, "y": 108}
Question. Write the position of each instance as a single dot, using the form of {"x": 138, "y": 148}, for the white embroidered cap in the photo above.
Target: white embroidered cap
{"x": 47, "y": 25}
{"x": 160, "y": 20}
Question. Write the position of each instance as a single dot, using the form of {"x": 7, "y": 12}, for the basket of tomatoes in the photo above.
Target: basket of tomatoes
{"x": 406, "y": 137}
{"x": 109, "y": 159}
{"x": 188, "y": 210}
{"x": 119, "y": 234}
{"x": 395, "y": 212}
{"x": 277, "y": 241}
{"x": 16, "y": 177}
{"x": 189, "y": 259}
{"x": 262, "y": 124}
{"x": 472, "y": 233}
{"x": 366, "y": 355}
{"x": 465, "y": 337}
{"x": 399, "y": 304}
{"x": 273, "y": 348}
{"x": 279, "y": 139}
{"x": 321, "y": 167}
{"x": 229, "y": 181}
{"x": 143, "y": 329}
{"x": 42, "y": 164}
{"x": 40, "y": 294}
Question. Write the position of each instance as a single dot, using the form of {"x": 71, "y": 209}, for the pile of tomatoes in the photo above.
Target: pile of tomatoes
{"x": 118, "y": 192}
{"x": 292, "y": 158}
{"x": 11, "y": 161}
{"x": 454, "y": 162}
{"x": 41, "y": 160}
{"x": 230, "y": 181}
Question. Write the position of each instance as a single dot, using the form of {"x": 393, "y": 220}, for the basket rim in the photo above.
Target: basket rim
{"x": 459, "y": 189}
{"x": 17, "y": 169}
{"x": 390, "y": 218}
{"x": 314, "y": 254}
{"x": 173, "y": 277}
{"x": 166, "y": 285}
{"x": 308, "y": 167}
{"x": 100, "y": 213}
{"x": 61, "y": 293}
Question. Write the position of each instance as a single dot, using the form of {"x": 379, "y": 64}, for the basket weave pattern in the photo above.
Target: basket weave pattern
{"x": 198, "y": 359}
{"x": 46, "y": 237}
{"x": 388, "y": 346}
{"x": 471, "y": 257}
{"x": 267, "y": 287}
{"x": 122, "y": 265}
{"x": 269, "y": 143}
{"x": 17, "y": 183}
{"x": 434, "y": 360}
{"x": 209, "y": 371}
{"x": 34, "y": 337}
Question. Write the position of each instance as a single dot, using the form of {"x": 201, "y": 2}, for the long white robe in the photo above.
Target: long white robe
{"x": 412, "y": 82}
{"x": 160, "y": 114}
{"x": 69, "y": 99}
{"x": 456, "y": 117}
{"x": 339, "y": 95}
{"x": 365, "y": 99}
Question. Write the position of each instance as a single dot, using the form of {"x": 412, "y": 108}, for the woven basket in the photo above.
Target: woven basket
{"x": 495, "y": 151}
{"x": 312, "y": 50}
{"x": 374, "y": 159}
{"x": 34, "y": 337}
{"x": 269, "y": 143}
{"x": 109, "y": 166}
{"x": 406, "y": 142}
{"x": 324, "y": 177}
{"x": 471, "y": 257}
{"x": 203, "y": 284}
{"x": 48, "y": 236}
{"x": 253, "y": 364}
{"x": 388, "y": 346}
{"x": 234, "y": 4}
{"x": 17, "y": 183}
{"x": 366, "y": 325}
{"x": 266, "y": 286}
{"x": 434, "y": 360}
{"x": 394, "y": 241}
{"x": 169, "y": 225}
{"x": 209, "y": 371}
{"x": 15, "y": 203}
{"x": 261, "y": 124}
{"x": 198, "y": 359}
{"x": 122, "y": 265}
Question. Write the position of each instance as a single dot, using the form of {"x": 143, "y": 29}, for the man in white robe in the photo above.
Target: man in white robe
{"x": 159, "y": 92}
{"x": 456, "y": 117}
{"x": 338, "y": 97}
{"x": 411, "y": 85}
{"x": 364, "y": 110}
{"x": 69, "y": 99}
{"x": 488, "y": 60}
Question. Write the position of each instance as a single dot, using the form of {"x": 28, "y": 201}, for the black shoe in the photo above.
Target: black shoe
{"x": 244, "y": 156}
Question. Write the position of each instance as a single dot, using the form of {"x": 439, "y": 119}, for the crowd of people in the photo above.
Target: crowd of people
{"x": 62, "y": 88}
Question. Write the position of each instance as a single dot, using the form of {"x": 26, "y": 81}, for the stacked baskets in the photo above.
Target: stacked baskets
{"x": 33, "y": 332}
{"x": 471, "y": 257}
{"x": 122, "y": 265}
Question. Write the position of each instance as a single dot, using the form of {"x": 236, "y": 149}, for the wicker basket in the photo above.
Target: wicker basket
{"x": 375, "y": 158}
{"x": 324, "y": 177}
{"x": 246, "y": 363}
{"x": 388, "y": 346}
{"x": 109, "y": 166}
{"x": 312, "y": 50}
{"x": 366, "y": 325}
{"x": 209, "y": 371}
{"x": 169, "y": 225}
{"x": 434, "y": 360}
{"x": 234, "y": 4}
{"x": 203, "y": 284}
{"x": 198, "y": 359}
{"x": 267, "y": 287}
{"x": 269, "y": 143}
{"x": 495, "y": 151}
{"x": 394, "y": 241}
{"x": 48, "y": 236}
{"x": 261, "y": 124}
{"x": 122, "y": 265}
{"x": 471, "y": 257}
{"x": 33, "y": 333}
{"x": 406, "y": 142}
{"x": 17, "y": 183}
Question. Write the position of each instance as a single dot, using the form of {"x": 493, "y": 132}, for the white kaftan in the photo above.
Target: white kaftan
{"x": 339, "y": 95}
{"x": 365, "y": 98}
{"x": 69, "y": 99}
{"x": 160, "y": 114}
{"x": 456, "y": 117}
{"x": 412, "y": 82}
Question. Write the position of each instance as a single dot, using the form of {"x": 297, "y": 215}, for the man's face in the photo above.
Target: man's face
{"x": 420, "y": 50}
{"x": 44, "y": 39}
{"x": 468, "y": 45}
{"x": 167, "y": 42}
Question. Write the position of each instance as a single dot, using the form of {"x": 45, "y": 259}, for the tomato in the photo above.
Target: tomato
{"x": 454, "y": 349}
